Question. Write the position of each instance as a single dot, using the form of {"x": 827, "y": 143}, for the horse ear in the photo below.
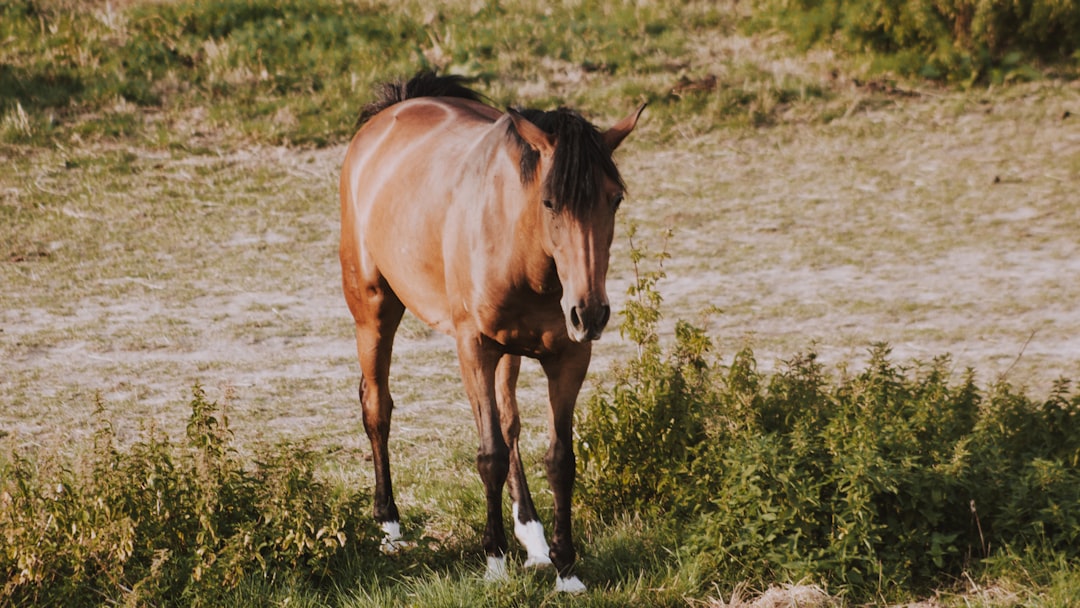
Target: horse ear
{"x": 614, "y": 136}
{"x": 532, "y": 134}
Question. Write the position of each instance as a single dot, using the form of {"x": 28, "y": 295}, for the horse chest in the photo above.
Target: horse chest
{"x": 528, "y": 324}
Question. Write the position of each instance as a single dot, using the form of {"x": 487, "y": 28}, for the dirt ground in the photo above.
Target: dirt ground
{"x": 939, "y": 224}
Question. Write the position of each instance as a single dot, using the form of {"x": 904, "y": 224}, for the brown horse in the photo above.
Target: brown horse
{"x": 495, "y": 228}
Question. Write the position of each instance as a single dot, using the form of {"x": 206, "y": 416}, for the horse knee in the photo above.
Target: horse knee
{"x": 511, "y": 429}
{"x": 376, "y": 413}
{"x": 493, "y": 464}
{"x": 560, "y": 461}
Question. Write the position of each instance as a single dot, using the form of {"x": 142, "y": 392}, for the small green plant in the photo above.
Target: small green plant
{"x": 174, "y": 525}
{"x": 635, "y": 438}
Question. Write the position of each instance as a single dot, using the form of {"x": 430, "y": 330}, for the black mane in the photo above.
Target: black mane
{"x": 424, "y": 84}
{"x": 581, "y": 156}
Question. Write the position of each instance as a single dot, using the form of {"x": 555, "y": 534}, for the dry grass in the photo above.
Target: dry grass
{"x": 813, "y": 596}
{"x": 785, "y": 596}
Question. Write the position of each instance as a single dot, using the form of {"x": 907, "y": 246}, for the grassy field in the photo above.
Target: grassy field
{"x": 168, "y": 217}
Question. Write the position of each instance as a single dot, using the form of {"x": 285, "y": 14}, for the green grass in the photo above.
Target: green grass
{"x": 170, "y": 524}
{"x": 283, "y": 72}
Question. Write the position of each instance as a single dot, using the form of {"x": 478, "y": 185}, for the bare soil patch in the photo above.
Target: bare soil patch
{"x": 939, "y": 223}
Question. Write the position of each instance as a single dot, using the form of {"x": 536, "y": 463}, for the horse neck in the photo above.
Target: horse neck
{"x": 517, "y": 224}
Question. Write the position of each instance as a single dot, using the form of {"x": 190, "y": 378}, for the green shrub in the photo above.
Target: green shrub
{"x": 953, "y": 40}
{"x": 636, "y": 435}
{"x": 1026, "y": 467}
{"x": 890, "y": 481}
{"x": 174, "y": 525}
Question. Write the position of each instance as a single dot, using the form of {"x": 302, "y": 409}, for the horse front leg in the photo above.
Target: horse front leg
{"x": 565, "y": 374}
{"x": 478, "y": 357}
{"x": 527, "y": 527}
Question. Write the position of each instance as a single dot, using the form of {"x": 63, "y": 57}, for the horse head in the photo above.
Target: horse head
{"x": 579, "y": 190}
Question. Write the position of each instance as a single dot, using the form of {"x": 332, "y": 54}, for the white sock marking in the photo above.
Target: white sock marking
{"x": 391, "y": 530}
{"x": 571, "y": 584}
{"x": 496, "y": 569}
{"x": 391, "y": 542}
{"x": 531, "y": 536}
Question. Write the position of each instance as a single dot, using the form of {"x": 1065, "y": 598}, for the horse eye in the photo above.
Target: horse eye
{"x": 549, "y": 204}
{"x": 615, "y": 202}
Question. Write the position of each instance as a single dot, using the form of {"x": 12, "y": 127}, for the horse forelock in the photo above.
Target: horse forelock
{"x": 581, "y": 158}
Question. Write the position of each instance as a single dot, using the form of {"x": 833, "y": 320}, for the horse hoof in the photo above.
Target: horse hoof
{"x": 570, "y": 584}
{"x": 393, "y": 547}
{"x": 496, "y": 570}
{"x": 537, "y": 561}
{"x": 392, "y": 542}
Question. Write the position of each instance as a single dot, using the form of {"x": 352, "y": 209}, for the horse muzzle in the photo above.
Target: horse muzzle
{"x": 586, "y": 322}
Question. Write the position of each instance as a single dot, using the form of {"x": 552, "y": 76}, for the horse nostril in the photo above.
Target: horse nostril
{"x": 605, "y": 315}
{"x": 575, "y": 320}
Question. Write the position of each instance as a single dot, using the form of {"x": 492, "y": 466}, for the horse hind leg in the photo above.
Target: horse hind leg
{"x": 527, "y": 527}
{"x": 377, "y": 316}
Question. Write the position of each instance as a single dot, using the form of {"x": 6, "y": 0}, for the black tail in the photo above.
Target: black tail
{"x": 425, "y": 84}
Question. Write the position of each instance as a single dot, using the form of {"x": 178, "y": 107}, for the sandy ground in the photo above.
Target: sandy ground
{"x": 937, "y": 224}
